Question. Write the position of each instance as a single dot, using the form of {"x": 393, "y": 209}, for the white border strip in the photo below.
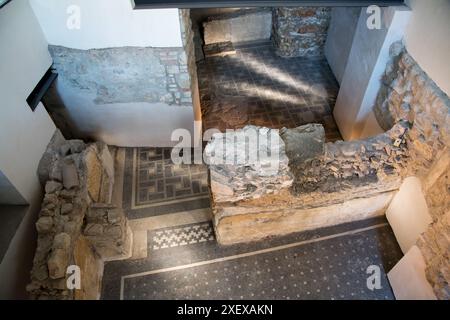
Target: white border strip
{"x": 243, "y": 255}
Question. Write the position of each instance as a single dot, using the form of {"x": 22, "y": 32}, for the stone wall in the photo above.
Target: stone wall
{"x": 434, "y": 243}
{"x": 408, "y": 93}
{"x": 77, "y": 224}
{"x": 300, "y": 32}
{"x": 325, "y": 183}
{"x": 187, "y": 34}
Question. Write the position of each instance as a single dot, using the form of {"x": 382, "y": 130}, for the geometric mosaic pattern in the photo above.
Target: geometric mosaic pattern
{"x": 333, "y": 268}
{"x": 176, "y": 237}
{"x": 279, "y": 92}
{"x": 157, "y": 179}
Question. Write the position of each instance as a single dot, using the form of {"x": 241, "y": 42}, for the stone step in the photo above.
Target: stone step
{"x": 238, "y": 26}
{"x": 220, "y": 49}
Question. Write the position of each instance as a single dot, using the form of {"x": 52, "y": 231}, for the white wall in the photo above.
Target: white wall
{"x": 9, "y": 193}
{"x": 24, "y": 59}
{"x": 106, "y": 24}
{"x": 408, "y": 213}
{"x": 366, "y": 63}
{"x": 428, "y": 39}
{"x": 340, "y": 38}
{"x": 126, "y": 124}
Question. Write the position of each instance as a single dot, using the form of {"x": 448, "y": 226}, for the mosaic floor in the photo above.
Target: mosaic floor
{"x": 154, "y": 185}
{"x": 185, "y": 262}
{"x": 271, "y": 91}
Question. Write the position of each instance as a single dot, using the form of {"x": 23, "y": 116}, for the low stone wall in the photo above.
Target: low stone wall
{"x": 325, "y": 184}
{"x": 239, "y": 26}
{"x": 77, "y": 224}
{"x": 434, "y": 243}
{"x": 300, "y": 32}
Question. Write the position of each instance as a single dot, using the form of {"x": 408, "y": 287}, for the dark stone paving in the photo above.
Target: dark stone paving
{"x": 275, "y": 92}
{"x": 160, "y": 186}
{"x": 327, "y": 269}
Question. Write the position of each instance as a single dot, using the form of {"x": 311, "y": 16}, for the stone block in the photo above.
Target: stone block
{"x": 92, "y": 267}
{"x": 93, "y": 229}
{"x": 61, "y": 241}
{"x": 44, "y": 224}
{"x": 52, "y": 186}
{"x": 70, "y": 175}
{"x": 239, "y": 26}
{"x": 66, "y": 208}
{"x": 50, "y": 156}
{"x": 304, "y": 143}
{"x": 94, "y": 173}
{"x": 259, "y": 167}
{"x": 57, "y": 263}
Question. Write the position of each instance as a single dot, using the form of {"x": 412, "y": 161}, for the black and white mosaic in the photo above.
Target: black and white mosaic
{"x": 175, "y": 237}
{"x": 154, "y": 185}
{"x": 278, "y": 92}
{"x": 328, "y": 263}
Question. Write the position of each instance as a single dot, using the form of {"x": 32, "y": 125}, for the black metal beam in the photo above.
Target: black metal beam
{"x": 186, "y": 4}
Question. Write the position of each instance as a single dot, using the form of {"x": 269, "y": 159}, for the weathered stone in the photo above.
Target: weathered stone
{"x": 52, "y": 186}
{"x": 93, "y": 229}
{"x": 61, "y": 241}
{"x": 44, "y": 224}
{"x": 76, "y": 146}
{"x": 63, "y": 216}
{"x": 70, "y": 175}
{"x": 238, "y": 26}
{"x": 115, "y": 216}
{"x": 40, "y": 273}
{"x": 57, "y": 263}
{"x": 71, "y": 227}
{"x": 92, "y": 266}
{"x": 106, "y": 159}
{"x": 304, "y": 143}
{"x": 66, "y": 208}
{"x": 55, "y": 171}
{"x": 114, "y": 231}
{"x": 250, "y": 174}
{"x": 49, "y": 157}
{"x": 93, "y": 174}
{"x": 300, "y": 31}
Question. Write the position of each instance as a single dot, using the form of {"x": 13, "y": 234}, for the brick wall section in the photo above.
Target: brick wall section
{"x": 300, "y": 32}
